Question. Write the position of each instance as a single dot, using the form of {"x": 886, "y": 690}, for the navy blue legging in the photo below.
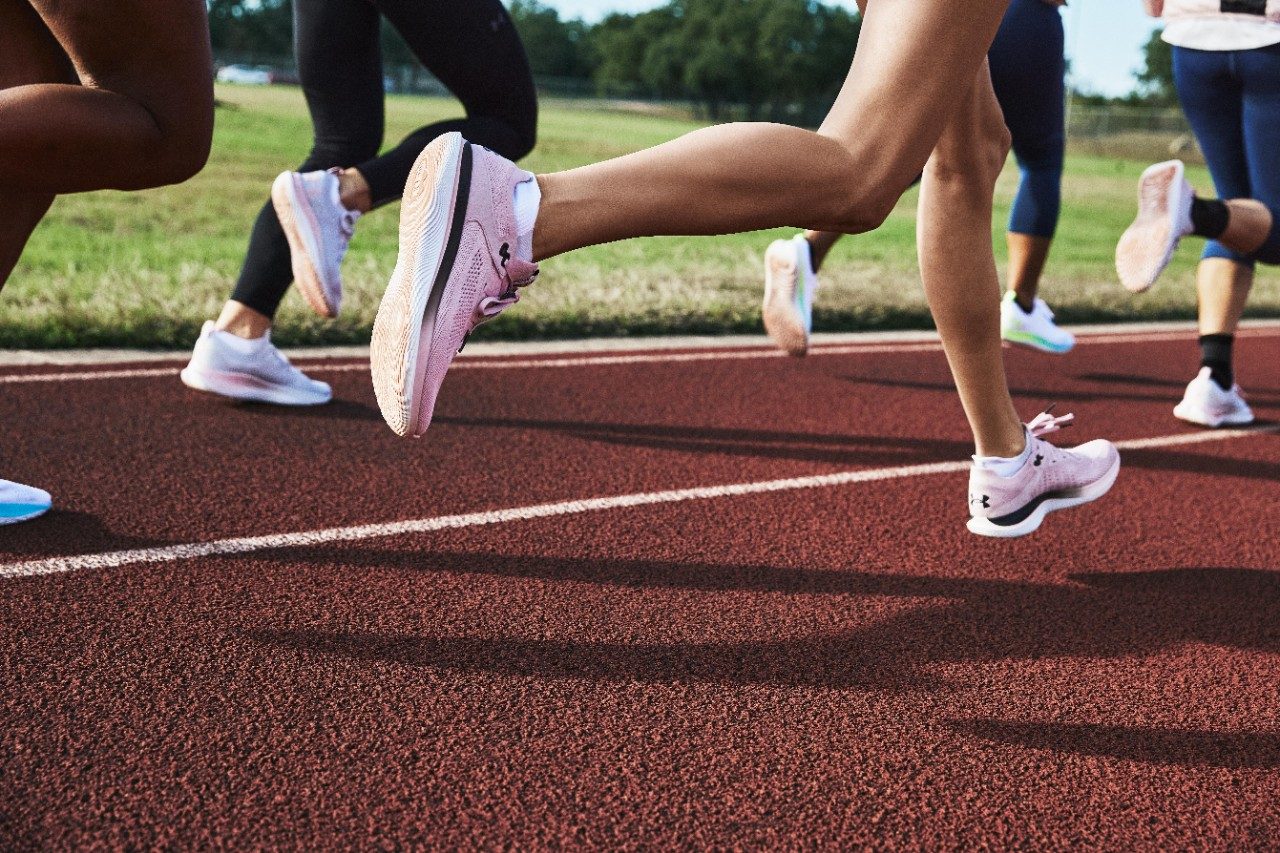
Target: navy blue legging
{"x": 1232, "y": 100}
{"x": 1027, "y": 71}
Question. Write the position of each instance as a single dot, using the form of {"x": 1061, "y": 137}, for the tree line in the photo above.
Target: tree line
{"x": 763, "y": 59}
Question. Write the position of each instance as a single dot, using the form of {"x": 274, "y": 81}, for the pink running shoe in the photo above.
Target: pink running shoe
{"x": 1052, "y": 478}
{"x": 455, "y": 270}
{"x": 1164, "y": 218}
{"x": 789, "y": 288}
{"x": 318, "y": 227}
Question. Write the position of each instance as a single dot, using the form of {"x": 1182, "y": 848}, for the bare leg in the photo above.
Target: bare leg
{"x": 820, "y": 243}
{"x": 28, "y": 54}
{"x": 143, "y": 112}
{"x": 1248, "y": 227}
{"x": 846, "y": 177}
{"x": 1027, "y": 257}
{"x": 1223, "y": 287}
{"x": 958, "y": 265}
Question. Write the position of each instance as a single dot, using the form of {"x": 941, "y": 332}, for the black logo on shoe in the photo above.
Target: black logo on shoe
{"x": 505, "y": 253}
{"x": 1039, "y": 459}
{"x": 984, "y": 501}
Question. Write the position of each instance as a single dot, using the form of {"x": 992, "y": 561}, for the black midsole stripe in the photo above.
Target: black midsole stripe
{"x": 455, "y": 232}
{"x": 1020, "y": 515}
{"x": 1244, "y": 7}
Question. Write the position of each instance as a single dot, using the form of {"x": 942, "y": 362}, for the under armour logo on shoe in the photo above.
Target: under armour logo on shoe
{"x": 505, "y": 254}
{"x": 1039, "y": 459}
{"x": 984, "y": 501}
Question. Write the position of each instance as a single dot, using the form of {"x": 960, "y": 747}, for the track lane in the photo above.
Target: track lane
{"x": 845, "y": 664}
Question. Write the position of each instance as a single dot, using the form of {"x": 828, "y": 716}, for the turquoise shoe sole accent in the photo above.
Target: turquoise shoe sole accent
{"x": 1028, "y": 339}
{"x": 21, "y": 512}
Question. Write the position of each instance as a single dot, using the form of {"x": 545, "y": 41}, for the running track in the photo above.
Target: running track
{"x": 676, "y": 597}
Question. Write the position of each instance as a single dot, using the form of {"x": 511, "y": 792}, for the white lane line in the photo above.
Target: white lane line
{"x": 251, "y": 544}
{"x": 491, "y": 363}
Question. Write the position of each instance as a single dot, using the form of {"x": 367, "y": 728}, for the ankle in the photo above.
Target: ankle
{"x": 1027, "y": 302}
{"x": 354, "y": 191}
{"x": 242, "y": 321}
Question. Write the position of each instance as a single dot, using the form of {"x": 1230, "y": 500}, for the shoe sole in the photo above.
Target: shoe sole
{"x": 287, "y": 201}
{"x": 781, "y": 320}
{"x": 1082, "y": 495}
{"x": 1236, "y": 419}
{"x": 35, "y": 511}
{"x": 238, "y": 386}
{"x": 1151, "y": 227}
{"x": 1035, "y": 342}
{"x": 431, "y": 222}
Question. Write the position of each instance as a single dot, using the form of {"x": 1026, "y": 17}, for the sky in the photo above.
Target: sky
{"x": 1104, "y": 37}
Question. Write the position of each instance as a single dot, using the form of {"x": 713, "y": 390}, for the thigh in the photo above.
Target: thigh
{"x": 1261, "y": 113}
{"x": 901, "y": 88}
{"x": 28, "y": 51}
{"x": 340, "y": 66}
{"x": 472, "y": 47}
{"x": 1028, "y": 70}
{"x": 154, "y": 52}
{"x": 1212, "y": 100}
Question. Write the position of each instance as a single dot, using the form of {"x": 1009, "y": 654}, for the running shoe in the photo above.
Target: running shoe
{"x": 789, "y": 288}
{"x": 1051, "y": 478}
{"x": 319, "y": 228}
{"x": 22, "y": 503}
{"x": 1209, "y": 404}
{"x": 1036, "y": 330}
{"x": 455, "y": 270}
{"x": 249, "y": 370}
{"x": 1164, "y": 218}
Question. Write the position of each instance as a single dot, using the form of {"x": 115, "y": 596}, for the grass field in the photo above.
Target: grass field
{"x": 146, "y": 269}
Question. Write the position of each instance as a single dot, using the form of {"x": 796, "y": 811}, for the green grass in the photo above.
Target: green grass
{"x": 145, "y": 269}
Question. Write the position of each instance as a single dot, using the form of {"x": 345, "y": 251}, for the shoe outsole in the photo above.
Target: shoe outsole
{"x": 781, "y": 319}
{"x": 1134, "y": 266}
{"x": 237, "y": 386}
{"x": 1236, "y": 419}
{"x": 287, "y": 202}
{"x": 1083, "y": 495}
{"x": 431, "y": 224}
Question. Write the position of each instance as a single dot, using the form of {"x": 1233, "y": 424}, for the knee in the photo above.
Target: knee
{"x": 863, "y": 210}
{"x": 180, "y": 160}
{"x": 975, "y": 163}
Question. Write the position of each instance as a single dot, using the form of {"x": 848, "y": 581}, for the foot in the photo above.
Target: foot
{"x": 1049, "y": 479}
{"x": 1036, "y": 330}
{"x": 1164, "y": 218}
{"x": 1209, "y": 404}
{"x": 22, "y": 503}
{"x": 789, "y": 287}
{"x": 456, "y": 269}
{"x": 319, "y": 228}
{"x": 249, "y": 370}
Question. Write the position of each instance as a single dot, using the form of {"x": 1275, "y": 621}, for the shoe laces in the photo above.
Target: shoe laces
{"x": 1045, "y": 423}
{"x": 347, "y": 223}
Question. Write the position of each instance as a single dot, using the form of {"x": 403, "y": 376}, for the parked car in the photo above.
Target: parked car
{"x": 246, "y": 75}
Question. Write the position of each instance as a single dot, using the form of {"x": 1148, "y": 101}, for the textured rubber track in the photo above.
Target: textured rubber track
{"x": 841, "y": 665}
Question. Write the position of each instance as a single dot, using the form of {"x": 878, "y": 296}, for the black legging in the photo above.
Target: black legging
{"x": 471, "y": 46}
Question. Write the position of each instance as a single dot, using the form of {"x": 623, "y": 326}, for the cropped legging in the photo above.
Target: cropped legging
{"x": 1232, "y": 101}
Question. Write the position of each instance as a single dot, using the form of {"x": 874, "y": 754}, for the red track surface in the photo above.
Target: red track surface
{"x": 844, "y": 665}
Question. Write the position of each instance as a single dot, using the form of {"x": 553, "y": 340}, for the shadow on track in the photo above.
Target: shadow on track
{"x": 1100, "y": 615}
{"x": 348, "y": 410}
{"x": 1254, "y": 750}
{"x": 1256, "y": 398}
{"x": 868, "y": 450}
{"x": 62, "y": 531}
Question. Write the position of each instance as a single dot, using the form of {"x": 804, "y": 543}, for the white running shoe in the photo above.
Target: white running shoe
{"x": 1036, "y": 330}
{"x": 1208, "y": 404}
{"x": 319, "y": 228}
{"x": 22, "y": 503}
{"x": 789, "y": 288}
{"x": 1164, "y": 218}
{"x": 1050, "y": 478}
{"x": 249, "y": 370}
